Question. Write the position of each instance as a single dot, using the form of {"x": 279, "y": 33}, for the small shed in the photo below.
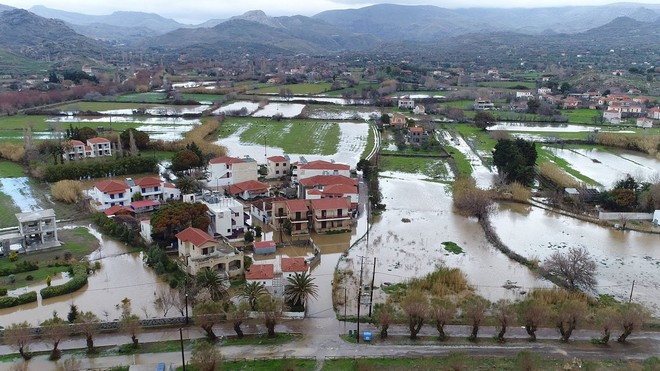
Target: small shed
{"x": 264, "y": 247}
{"x": 656, "y": 218}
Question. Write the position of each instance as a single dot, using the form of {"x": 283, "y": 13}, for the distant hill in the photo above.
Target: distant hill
{"x": 427, "y": 23}
{"x": 28, "y": 35}
{"x": 297, "y": 34}
{"x": 5, "y": 7}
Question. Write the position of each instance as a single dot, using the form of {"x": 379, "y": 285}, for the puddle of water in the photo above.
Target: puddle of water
{"x": 609, "y": 166}
{"x": 622, "y": 256}
{"x": 287, "y": 110}
{"x": 20, "y": 191}
{"x": 321, "y": 99}
{"x": 251, "y": 107}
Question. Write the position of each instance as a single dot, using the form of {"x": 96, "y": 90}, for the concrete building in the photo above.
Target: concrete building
{"x": 228, "y": 218}
{"x": 198, "y": 250}
{"x": 278, "y": 166}
{"x": 331, "y": 214}
{"x": 292, "y": 266}
{"x": 38, "y": 228}
{"x": 225, "y": 171}
{"x": 302, "y": 170}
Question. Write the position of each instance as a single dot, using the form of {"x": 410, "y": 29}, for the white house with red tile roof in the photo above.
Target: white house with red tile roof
{"x": 278, "y": 166}
{"x": 544, "y": 90}
{"x": 262, "y": 273}
{"x": 321, "y": 181}
{"x": 654, "y": 113}
{"x": 75, "y": 150}
{"x": 291, "y": 266}
{"x": 319, "y": 167}
{"x": 612, "y": 116}
{"x": 249, "y": 190}
{"x": 198, "y": 250}
{"x": 526, "y": 94}
{"x": 419, "y": 109}
{"x": 296, "y": 212}
{"x": 171, "y": 192}
{"x": 119, "y": 210}
{"x": 145, "y": 206}
{"x": 331, "y": 214}
{"x": 644, "y": 122}
{"x": 149, "y": 187}
{"x": 225, "y": 171}
{"x": 262, "y": 209}
{"x": 227, "y": 216}
{"x": 100, "y": 146}
{"x": 108, "y": 193}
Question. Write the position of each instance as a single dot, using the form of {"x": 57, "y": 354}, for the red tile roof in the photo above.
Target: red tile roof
{"x": 197, "y": 236}
{"x": 331, "y": 203}
{"x": 149, "y": 181}
{"x": 297, "y": 265}
{"x": 98, "y": 140}
{"x": 277, "y": 158}
{"x": 226, "y": 160}
{"x": 118, "y": 209}
{"x": 323, "y": 165}
{"x": 260, "y": 272}
{"x": 263, "y": 244}
{"x": 250, "y": 186}
{"x": 144, "y": 203}
{"x": 417, "y": 129}
{"x": 319, "y": 180}
{"x": 340, "y": 189}
{"x": 169, "y": 185}
{"x": 314, "y": 191}
{"x": 296, "y": 205}
{"x": 74, "y": 142}
{"x": 111, "y": 186}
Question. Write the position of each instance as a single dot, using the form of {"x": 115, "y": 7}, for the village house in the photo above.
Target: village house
{"x": 277, "y": 166}
{"x": 108, "y": 193}
{"x": 227, "y": 216}
{"x": 417, "y": 135}
{"x": 264, "y": 247}
{"x": 524, "y": 94}
{"x": 261, "y": 273}
{"x": 319, "y": 182}
{"x": 95, "y": 147}
{"x": 544, "y": 90}
{"x": 150, "y": 188}
{"x": 38, "y": 228}
{"x": 292, "y": 266}
{"x": 335, "y": 191}
{"x": 483, "y": 104}
{"x": 331, "y": 214}
{"x": 294, "y": 212}
{"x": 419, "y": 109}
{"x": 249, "y": 190}
{"x": 262, "y": 209}
{"x": 571, "y": 103}
{"x": 406, "y": 103}
{"x": 644, "y": 122}
{"x": 654, "y": 113}
{"x": 303, "y": 170}
{"x": 171, "y": 192}
{"x": 398, "y": 121}
{"x": 225, "y": 171}
{"x": 198, "y": 250}
{"x": 612, "y": 116}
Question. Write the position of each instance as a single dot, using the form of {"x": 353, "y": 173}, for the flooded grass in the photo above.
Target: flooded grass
{"x": 100, "y": 106}
{"x": 483, "y": 141}
{"x": 452, "y": 247}
{"x": 296, "y": 88}
{"x": 149, "y": 97}
{"x": 435, "y": 169}
{"x": 545, "y": 155}
{"x": 203, "y": 97}
{"x": 463, "y": 166}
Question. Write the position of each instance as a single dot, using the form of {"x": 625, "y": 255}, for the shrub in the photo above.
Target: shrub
{"x": 556, "y": 175}
{"x": 11, "y": 301}
{"x": 12, "y": 151}
{"x": 100, "y": 168}
{"x": 29, "y": 277}
{"x": 78, "y": 281}
{"x": 67, "y": 191}
{"x": 3, "y": 291}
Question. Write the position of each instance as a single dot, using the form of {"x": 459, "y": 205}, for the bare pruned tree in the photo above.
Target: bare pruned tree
{"x": 19, "y": 336}
{"x": 384, "y": 314}
{"x": 271, "y": 308}
{"x": 631, "y": 316}
{"x": 503, "y": 312}
{"x": 576, "y": 269}
{"x": 415, "y": 305}
{"x": 475, "y": 310}
{"x": 165, "y": 299}
{"x": 532, "y": 313}
{"x": 206, "y": 315}
{"x": 606, "y": 320}
{"x": 567, "y": 316}
{"x": 442, "y": 311}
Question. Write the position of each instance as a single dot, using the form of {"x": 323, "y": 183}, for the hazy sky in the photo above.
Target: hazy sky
{"x": 197, "y": 11}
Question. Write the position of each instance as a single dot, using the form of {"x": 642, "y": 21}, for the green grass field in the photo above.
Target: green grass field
{"x": 203, "y": 97}
{"x": 432, "y": 168}
{"x": 459, "y": 104}
{"x": 545, "y": 155}
{"x": 320, "y": 138}
{"x": 481, "y": 138}
{"x": 581, "y": 116}
{"x": 149, "y": 97}
{"x": 508, "y": 84}
{"x": 371, "y": 142}
{"x": 358, "y": 88}
{"x": 101, "y": 106}
{"x": 462, "y": 164}
{"x": 10, "y": 170}
{"x": 301, "y": 89}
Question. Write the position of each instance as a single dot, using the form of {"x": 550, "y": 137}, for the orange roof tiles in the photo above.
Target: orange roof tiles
{"x": 195, "y": 235}
{"x": 226, "y": 160}
{"x": 323, "y": 165}
{"x": 260, "y": 272}
{"x": 297, "y": 265}
{"x": 319, "y": 180}
{"x": 331, "y": 203}
{"x": 296, "y": 205}
{"x": 111, "y": 186}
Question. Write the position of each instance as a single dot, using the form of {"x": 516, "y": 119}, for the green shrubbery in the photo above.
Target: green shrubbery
{"x": 20, "y": 267}
{"x": 78, "y": 280}
{"x": 119, "y": 231}
{"x": 100, "y": 168}
{"x": 3, "y": 291}
{"x": 10, "y": 301}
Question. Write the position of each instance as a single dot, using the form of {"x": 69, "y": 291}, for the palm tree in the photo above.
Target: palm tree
{"x": 252, "y": 291}
{"x": 299, "y": 289}
{"x": 213, "y": 281}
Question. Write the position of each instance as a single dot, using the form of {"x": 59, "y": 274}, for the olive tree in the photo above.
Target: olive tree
{"x": 87, "y": 324}
{"x": 567, "y": 316}
{"x": 206, "y": 314}
{"x": 503, "y": 313}
{"x": 383, "y": 315}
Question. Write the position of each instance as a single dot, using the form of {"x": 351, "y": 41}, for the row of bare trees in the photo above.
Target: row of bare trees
{"x": 415, "y": 309}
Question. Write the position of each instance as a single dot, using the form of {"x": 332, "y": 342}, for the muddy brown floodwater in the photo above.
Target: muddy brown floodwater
{"x": 407, "y": 242}
{"x": 122, "y": 275}
{"x": 622, "y": 256}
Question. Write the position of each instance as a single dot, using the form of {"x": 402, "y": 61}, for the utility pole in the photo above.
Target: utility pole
{"x": 371, "y": 295}
{"x": 183, "y": 357}
{"x": 345, "y": 306}
{"x": 631, "y": 292}
{"x": 359, "y": 297}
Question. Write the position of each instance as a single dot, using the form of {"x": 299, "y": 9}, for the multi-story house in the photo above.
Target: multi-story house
{"x": 483, "y": 104}
{"x": 228, "y": 218}
{"x": 398, "y": 121}
{"x": 406, "y": 103}
{"x": 107, "y": 193}
{"x": 302, "y": 170}
{"x": 296, "y": 213}
{"x": 38, "y": 227}
{"x": 95, "y": 147}
{"x": 277, "y": 166}
{"x": 100, "y": 147}
{"x": 198, "y": 250}
{"x": 149, "y": 187}
{"x": 331, "y": 214}
{"x": 292, "y": 266}
{"x": 225, "y": 171}
{"x": 261, "y": 273}
{"x": 320, "y": 182}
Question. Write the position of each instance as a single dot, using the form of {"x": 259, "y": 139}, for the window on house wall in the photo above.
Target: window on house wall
{"x": 144, "y": 190}
{"x": 112, "y": 197}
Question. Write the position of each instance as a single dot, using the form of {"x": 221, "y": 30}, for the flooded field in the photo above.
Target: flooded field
{"x": 161, "y": 127}
{"x": 250, "y": 107}
{"x": 286, "y": 110}
{"x": 550, "y": 127}
{"x": 122, "y": 275}
{"x": 320, "y": 99}
{"x": 607, "y": 167}
{"x": 406, "y": 240}
{"x": 483, "y": 175}
{"x": 161, "y": 110}
{"x": 20, "y": 192}
{"x": 352, "y": 142}
{"x": 622, "y": 256}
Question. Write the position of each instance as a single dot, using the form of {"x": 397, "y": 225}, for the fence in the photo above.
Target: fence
{"x": 625, "y": 216}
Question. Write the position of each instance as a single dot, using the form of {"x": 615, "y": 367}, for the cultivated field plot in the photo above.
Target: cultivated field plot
{"x": 319, "y": 88}
{"x": 343, "y": 142}
{"x": 148, "y": 97}
{"x": 248, "y": 107}
{"x": 330, "y": 112}
{"x": 434, "y": 169}
{"x": 286, "y": 110}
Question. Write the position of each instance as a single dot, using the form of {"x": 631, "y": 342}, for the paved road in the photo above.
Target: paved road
{"x": 321, "y": 340}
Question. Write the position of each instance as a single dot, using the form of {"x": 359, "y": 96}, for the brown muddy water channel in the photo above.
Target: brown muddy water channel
{"x": 122, "y": 275}
{"x": 407, "y": 242}
{"x": 621, "y": 256}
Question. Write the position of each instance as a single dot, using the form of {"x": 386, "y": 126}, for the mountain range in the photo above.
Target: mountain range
{"x": 44, "y": 33}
